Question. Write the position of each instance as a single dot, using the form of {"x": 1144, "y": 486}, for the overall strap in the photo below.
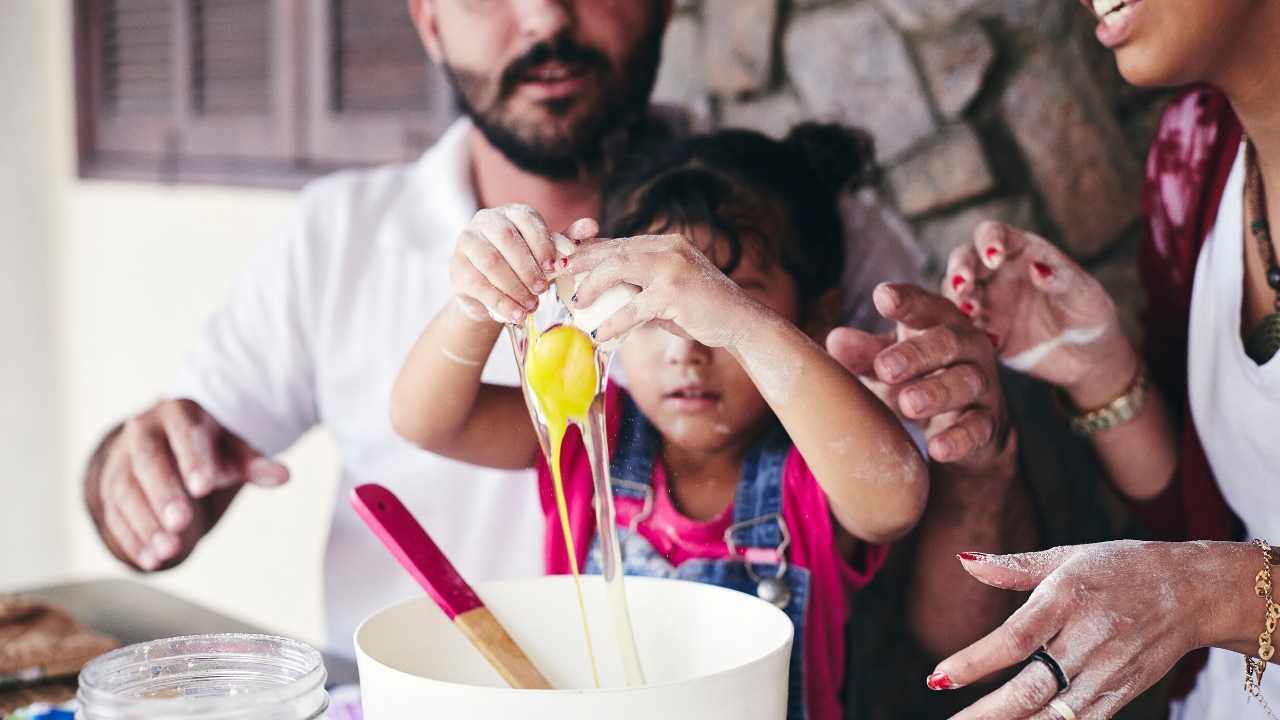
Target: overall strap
{"x": 757, "y": 506}
{"x": 636, "y": 450}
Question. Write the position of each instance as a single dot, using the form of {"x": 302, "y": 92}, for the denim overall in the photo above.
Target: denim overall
{"x": 757, "y": 539}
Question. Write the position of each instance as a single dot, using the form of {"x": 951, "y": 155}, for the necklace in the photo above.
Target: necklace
{"x": 1263, "y": 341}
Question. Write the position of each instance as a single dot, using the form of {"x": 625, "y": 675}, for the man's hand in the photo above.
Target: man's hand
{"x": 938, "y": 371}
{"x": 147, "y": 484}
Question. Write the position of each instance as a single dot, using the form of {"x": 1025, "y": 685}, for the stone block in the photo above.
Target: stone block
{"x": 950, "y": 169}
{"x": 924, "y": 15}
{"x": 681, "y": 80}
{"x": 1077, "y": 154}
{"x": 773, "y": 115}
{"x": 955, "y": 66}
{"x": 739, "y": 45}
{"x": 849, "y": 64}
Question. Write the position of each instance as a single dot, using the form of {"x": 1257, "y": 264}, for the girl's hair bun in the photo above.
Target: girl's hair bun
{"x": 839, "y": 157}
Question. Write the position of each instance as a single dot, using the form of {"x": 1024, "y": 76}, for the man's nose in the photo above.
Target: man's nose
{"x": 544, "y": 20}
{"x": 683, "y": 351}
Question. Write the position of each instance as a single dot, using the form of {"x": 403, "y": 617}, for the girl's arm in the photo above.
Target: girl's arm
{"x": 502, "y": 262}
{"x": 439, "y": 403}
{"x": 875, "y": 479}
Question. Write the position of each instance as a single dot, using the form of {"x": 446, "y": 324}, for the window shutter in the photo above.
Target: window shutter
{"x": 134, "y": 89}
{"x": 374, "y": 95}
{"x": 238, "y": 87}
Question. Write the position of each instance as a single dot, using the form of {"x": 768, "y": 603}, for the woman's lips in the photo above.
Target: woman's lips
{"x": 1115, "y": 20}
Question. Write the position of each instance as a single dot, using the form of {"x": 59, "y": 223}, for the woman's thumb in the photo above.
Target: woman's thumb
{"x": 1019, "y": 571}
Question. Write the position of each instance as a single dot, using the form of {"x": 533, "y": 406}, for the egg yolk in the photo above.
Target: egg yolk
{"x": 562, "y": 373}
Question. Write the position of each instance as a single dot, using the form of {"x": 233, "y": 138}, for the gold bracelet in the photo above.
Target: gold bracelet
{"x": 1119, "y": 411}
{"x": 1255, "y": 666}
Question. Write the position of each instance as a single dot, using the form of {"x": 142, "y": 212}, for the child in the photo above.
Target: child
{"x": 742, "y": 454}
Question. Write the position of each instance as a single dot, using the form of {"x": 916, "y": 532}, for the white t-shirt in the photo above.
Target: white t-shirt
{"x": 1236, "y": 406}
{"x": 315, "y": 332}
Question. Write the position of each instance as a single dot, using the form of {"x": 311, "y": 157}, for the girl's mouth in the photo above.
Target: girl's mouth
{"x": 1115, "y": 20}
{"x": 692, "y": 398}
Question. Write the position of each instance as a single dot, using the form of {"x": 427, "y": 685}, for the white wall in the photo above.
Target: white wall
{"x": 103, "y": 286}
{"x": 31, "y": 491}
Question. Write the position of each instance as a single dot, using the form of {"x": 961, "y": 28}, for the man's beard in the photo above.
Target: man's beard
{"x": 577, "y": 150}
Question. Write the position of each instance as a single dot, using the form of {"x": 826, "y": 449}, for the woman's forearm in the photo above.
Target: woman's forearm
{"x": 1140, "y": 455}
{"x": 876, "y": 481}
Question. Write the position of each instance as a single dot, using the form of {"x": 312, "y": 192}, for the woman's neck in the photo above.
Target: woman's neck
{"x": 1249, "y": 76}
{"x": 499, "y": 182}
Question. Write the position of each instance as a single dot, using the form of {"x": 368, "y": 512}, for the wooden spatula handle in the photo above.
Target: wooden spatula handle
{"x": 492, "y": 640}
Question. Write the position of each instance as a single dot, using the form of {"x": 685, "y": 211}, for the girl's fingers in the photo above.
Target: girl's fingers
{"x": 636, "y": 312}
{"x": 536, "y": 237}
{"x": 513, "y": 247}
{"x": 582, "y": 230}
{"x": 1025, "y": 695}
{"x": 1025, "y": 631}
{"x": 496, "y": 273}
{"x": 477, "y": 287}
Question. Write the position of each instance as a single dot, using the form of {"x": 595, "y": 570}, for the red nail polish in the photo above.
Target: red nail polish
{"x": 957, "y": 282}
{"x": 564, "y": 262}
{"x": 993, "y": 252}
{"x": 940, "y": 681}
{"x": 994, "y": 338}
{"x": 966, "y": 307}
{"x": 577, "y": 241}
{"x": 972, "y": 556}
{"x": 1043, "y": 270}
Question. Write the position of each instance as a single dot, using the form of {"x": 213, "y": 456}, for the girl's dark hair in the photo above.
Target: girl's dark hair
{"x": 736, "y": 182}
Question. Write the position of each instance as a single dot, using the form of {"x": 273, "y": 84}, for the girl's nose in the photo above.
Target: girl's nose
{"x": 683, "y": 351}
{"x": 544, "y": 20}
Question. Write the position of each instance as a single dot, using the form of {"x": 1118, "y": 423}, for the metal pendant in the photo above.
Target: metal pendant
{"x": 775, "y": 591}
{"x": 1263, "y": 343}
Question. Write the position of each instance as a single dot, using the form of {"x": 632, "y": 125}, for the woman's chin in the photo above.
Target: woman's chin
{"x": 1144, "y": 67}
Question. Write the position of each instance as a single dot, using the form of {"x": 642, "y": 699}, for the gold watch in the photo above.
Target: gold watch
{"x": 1119, "y": 411}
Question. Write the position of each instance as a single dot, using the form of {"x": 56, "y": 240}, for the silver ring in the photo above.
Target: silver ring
{"x": 1062, "y": 709}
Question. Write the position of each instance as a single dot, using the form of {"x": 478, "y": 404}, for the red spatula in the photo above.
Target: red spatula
{"x": 395, "y": 526}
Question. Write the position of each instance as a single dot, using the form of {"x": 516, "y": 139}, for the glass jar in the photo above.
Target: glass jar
{"x": 206, "y": 677}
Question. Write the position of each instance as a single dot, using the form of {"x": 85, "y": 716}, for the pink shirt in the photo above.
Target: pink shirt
{"x": 680, "y": 538}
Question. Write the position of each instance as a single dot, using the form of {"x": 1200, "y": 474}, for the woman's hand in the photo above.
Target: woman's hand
{"x": 1116, "y": 616}
{"x": 504, "y": 259}
{"x": 1046, "y": 316}
{"x": 680, "y": 289}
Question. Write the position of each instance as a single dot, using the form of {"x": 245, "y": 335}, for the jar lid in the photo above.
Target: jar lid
{"x": 206, "y": 677}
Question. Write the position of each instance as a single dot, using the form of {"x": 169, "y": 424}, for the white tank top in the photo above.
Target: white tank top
{"x": 1236, "y": 406}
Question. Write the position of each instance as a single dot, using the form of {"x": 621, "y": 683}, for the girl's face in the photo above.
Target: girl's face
{"x": 700, "y": 398}
{"x": 1174, "y": 42}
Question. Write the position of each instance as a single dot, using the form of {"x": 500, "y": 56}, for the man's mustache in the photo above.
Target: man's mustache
{"x": 561, "y": 49}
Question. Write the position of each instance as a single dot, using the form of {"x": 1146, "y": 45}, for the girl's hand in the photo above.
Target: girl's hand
{"x": 1116, "y": 616}
{"x": 504, "y": 259}
{"x": 679, "y": 288}
{"x": 1047, "y": 316}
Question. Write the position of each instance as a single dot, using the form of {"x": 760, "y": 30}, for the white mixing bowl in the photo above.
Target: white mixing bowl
{"x": 707, "y": 653}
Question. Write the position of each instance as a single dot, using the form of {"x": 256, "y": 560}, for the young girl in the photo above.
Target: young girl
{"x": 742, "y": 454}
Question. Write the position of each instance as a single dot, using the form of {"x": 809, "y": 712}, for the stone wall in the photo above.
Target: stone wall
{"x": 1005, "y": 109}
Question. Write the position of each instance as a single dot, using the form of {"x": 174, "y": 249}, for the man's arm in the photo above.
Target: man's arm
{"x": 987, "y": 512}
